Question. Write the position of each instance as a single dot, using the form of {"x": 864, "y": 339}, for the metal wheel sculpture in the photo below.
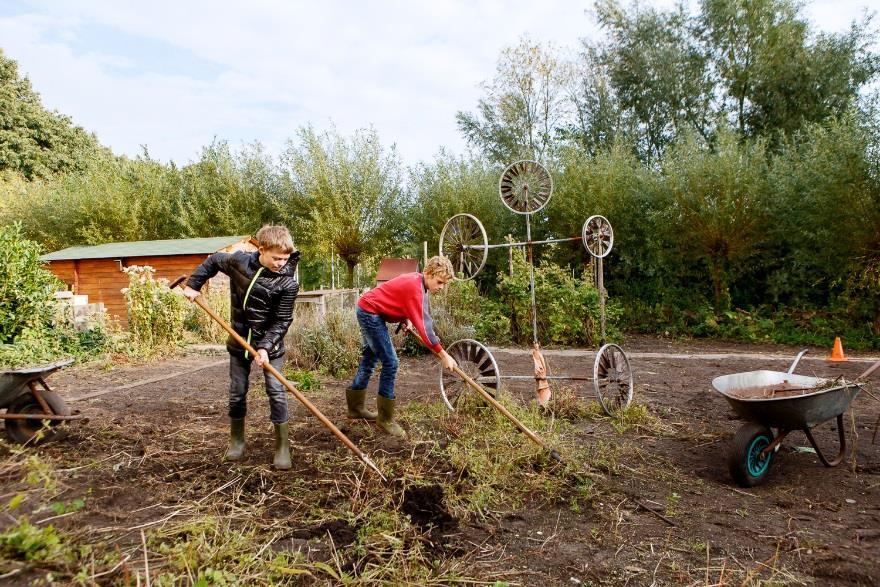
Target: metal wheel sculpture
{"x": 598, "y": 236}
{"x": 612, "y": 379}
{"x": 525, "y": 187}
{"x": 463, "y": 239}
{"x": 477, "y": 362}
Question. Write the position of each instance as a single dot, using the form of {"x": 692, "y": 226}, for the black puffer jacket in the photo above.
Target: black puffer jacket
{"x": 268, "y": 312}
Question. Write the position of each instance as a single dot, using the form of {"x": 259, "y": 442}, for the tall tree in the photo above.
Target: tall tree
{"x": 523, "y": 108}
{"x": 658, "y": 72}
{"x": 597, "y": 120}
{"x": 351, "y": 187}
{"x": 718, "y": 212}
{"x": 775, "y": 75}
{"x": 33, "y": 141}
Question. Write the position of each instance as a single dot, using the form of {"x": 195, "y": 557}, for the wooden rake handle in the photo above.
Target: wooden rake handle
{"x": 496, "y": 404}
{"x": 296, "y": 393}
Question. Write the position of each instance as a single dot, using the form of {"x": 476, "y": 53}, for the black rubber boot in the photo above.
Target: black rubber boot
{"x": 236, "y": 440}
{"x": 355, "y": 399}
{"x": 282, "y": 447}
{"x": 385, "y": 418}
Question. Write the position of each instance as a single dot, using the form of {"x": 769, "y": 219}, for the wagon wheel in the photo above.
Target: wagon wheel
{"x": 744, "y": 461}
{"x": 612, "y": 379}
{"x": 477, "y": 362}
{"x": 598, "y": 236}
{"x": 525, "y": 187}
{"x": 22, "y": 431}
{"x": 463, "y": 239}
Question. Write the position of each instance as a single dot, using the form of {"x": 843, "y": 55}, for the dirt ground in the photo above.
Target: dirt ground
{"x": 669, "y": 513}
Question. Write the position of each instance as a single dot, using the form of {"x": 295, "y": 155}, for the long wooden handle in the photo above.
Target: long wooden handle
{"x": 296, "y": 393}
{"x": 868, "y": 371}
{"x": 496, "y": 404}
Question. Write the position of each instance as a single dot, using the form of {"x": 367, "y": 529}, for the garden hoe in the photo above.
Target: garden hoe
{"x": 296, "y": 393}
{"x": 488, "y": 397}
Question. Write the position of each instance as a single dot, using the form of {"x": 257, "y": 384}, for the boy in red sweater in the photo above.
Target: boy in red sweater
{"x": 402, "y": 299}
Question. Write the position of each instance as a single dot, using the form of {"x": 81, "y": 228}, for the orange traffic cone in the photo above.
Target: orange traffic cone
{"x": 837, "y": 351}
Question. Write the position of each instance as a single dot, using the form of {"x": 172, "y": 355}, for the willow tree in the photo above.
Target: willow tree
{"x": 350, "y": 189}
{"x": 717, "y": 213}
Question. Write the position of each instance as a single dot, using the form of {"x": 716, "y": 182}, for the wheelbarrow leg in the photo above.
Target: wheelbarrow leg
{"x": 39, "y": 396}
{"x": 841, "y": 434}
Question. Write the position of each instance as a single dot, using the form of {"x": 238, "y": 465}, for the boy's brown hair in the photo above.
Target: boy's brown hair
{"x": 439, "y": 266}
{"x": 275, "y": 237}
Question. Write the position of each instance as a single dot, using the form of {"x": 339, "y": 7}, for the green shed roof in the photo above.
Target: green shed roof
{"x": 184, "y": 246}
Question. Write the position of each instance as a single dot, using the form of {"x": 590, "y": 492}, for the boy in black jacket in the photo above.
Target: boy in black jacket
{"x": 262, "y": 290}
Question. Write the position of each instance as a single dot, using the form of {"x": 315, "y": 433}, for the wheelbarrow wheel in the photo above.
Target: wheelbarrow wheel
{"x": 25, "y": 431}
{"x": 746, "y": 465}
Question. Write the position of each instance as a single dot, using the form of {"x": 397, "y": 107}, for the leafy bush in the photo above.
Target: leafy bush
{"x": 26, "y": 286}
{"x": 34, "y": 328}
{"x": 568, "y": 307}
{"x": 155, "y": 313}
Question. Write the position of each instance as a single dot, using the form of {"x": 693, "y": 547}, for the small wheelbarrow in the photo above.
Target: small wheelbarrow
{"x": 31, "y": 406}
{"x": 785, "y": 402}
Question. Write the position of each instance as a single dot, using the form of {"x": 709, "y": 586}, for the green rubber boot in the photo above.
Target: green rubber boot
{"x": 236, "y": 440}
{"x": 385, "y": 418}
{"x": 282, "y": 448}
{"x": 355, "y": 399}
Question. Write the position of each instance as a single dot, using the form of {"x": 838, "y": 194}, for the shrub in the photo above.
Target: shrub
{"x": 34, "y": 328}
{"x": 155, "y": 313}
{"x": 26, "y": 286}
{"x": 568, "y": 307}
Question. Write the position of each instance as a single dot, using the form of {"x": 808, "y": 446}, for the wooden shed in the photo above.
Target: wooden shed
{"x": 390, "y": 268}
{"x": 96, "y": 271}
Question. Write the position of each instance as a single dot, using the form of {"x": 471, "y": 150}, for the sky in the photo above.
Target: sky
{"x": 176, "y": 75}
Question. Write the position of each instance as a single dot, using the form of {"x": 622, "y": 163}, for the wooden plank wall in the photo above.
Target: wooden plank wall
{"x": 102, "y": 279}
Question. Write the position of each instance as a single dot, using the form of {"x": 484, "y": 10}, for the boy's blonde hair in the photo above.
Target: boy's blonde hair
{"x": 275, "y": 237}
{"x": 439, "y": 266}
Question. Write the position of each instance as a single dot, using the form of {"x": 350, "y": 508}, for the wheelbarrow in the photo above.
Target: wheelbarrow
{"x": 31, "y": 405}
{"x": 785, "y": 402}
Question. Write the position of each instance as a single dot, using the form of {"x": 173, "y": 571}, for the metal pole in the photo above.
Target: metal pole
{"x": 548, "y": 241}
{"x": 532, "y": 282}
{"x": 510, "y": 255}
{"x": 601, "y": 303}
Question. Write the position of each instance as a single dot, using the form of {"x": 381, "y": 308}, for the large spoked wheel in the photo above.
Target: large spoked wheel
{"x": 747, "y": 467}
{"x": 525, "y": 187}
{"x": 477, "y": 362}
{"x": 598, "y": 236}
{"x": 464, "y": 241}
{"x": 23, "y": 431}
{"x": 612, "y": 379}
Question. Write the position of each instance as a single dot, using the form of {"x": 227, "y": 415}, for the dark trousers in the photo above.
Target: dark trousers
{"x": 239, "y": 372}
{"x": 376, "y": 347}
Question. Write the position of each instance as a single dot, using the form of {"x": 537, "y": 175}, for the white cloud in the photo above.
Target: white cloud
{"x": 173, "y": 75}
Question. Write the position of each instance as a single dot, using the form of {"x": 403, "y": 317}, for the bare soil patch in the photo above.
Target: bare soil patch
{"x": 662, "y": 508}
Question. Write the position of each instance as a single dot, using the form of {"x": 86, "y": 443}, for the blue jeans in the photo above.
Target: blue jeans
{"x": 376, "y": 347}
{"x": 239, "y": 372}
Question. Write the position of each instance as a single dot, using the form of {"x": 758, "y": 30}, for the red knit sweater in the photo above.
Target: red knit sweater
{"x": 402, "y": 298}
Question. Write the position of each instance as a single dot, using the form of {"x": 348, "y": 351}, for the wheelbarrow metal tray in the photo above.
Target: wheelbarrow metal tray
{"x": 14, "y": 382}
{"x": 788, "y": 413}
